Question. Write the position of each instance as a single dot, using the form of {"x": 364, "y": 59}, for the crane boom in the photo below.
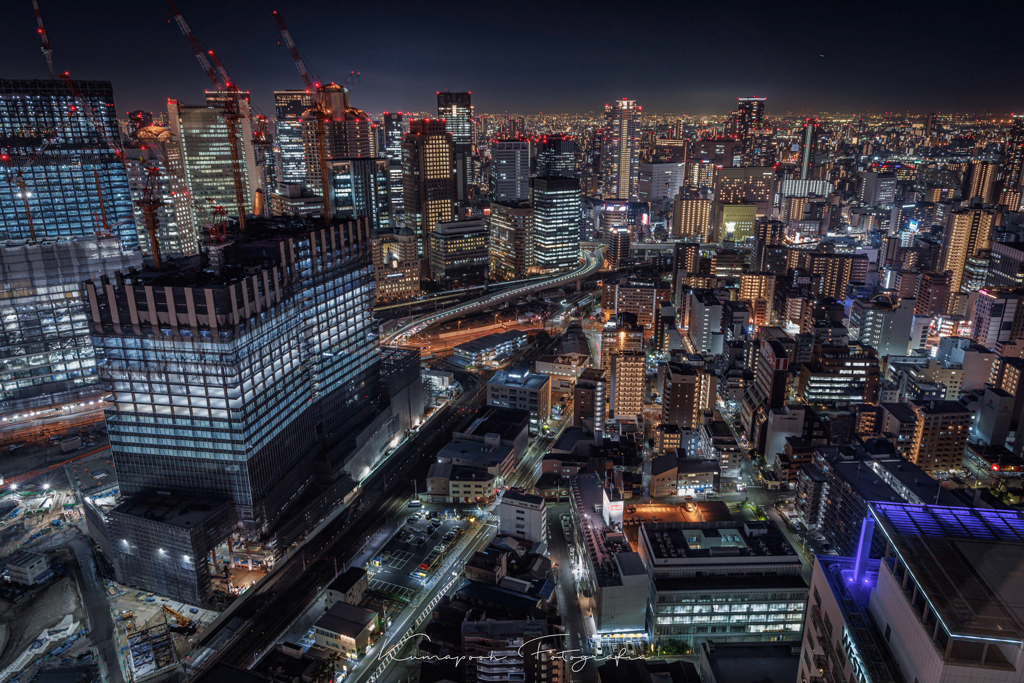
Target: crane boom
{"x": 45, "y": 37}
{"x": 204, "y": 63}
{"x": 299, "y": 64}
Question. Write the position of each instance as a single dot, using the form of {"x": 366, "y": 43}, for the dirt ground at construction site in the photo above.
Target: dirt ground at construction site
{"x": 21, "y": 623}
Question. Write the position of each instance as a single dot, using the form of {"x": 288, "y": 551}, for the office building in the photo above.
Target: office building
{"x": 840, "y": 375}
{"x": 1006, "y": 264}
{"x": 393, "y": 133}
{"x": 628, "y": 382}
{"x": 68, "y": 182}
{"x": 459, "y": 254}
{"x": 362, "y": 188}
{"x": 658, "y": 182}
{"x": 155, "y": 160}
{"x": 620, "y": 150}
{"x": 455, "y": 109}
{"x": 243, "y": 435}
{"x": 882, "y": 324}
{"x": 396, "y": 266}
{"x": 348, "y": 134}
{"x": 47, "y": 358}
{"x": 1013, "y": 156}
{"x": 510, "y": 170}
{"x": 523, "y": 390}
{"x": 290, "y": 199}
{"x": 967, "y": 234}
{"x": 809, "y": 142}
{"x": 201, "y": 132}
{"x": 998, "y": 317}
{"x": 428, "y": 183}
{"x": 877, "y": 188}
{"x": 491, "y": 349}
{"x": 940, "y": 439}
{"x": 289, "y": 106}
{"x": 556, "y": 156}
{"x": 750, "y": 185}
{"x": 734, "y": 222}
{"x": 524, "y": 516}
{"x": 768, "y": 391}
{"x": 703, "y": 586}
{"x": 691, "y": 218}
{"x": 511, "y": 241}
{"x": 556, "y": 223}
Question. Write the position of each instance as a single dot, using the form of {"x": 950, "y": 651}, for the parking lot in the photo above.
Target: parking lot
{"x": 411, "y": 556}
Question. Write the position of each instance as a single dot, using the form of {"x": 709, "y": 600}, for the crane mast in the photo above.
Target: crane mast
{"x": 45, "y": 37}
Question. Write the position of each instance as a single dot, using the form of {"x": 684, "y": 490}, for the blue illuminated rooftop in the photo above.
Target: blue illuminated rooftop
{"x": 969, "y": 563}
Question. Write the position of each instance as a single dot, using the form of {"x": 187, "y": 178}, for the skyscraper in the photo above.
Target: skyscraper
{"x": 620, "y": 150}
{"x": 456, "y": 109}
{"x": 967, "y": 233}
{"x": 748, "y": 116}
{"x": 361, "y": 187}
{"x": 55, "y": 164}
{"x": 510, "y": 170}
{"x": 511, "y": 233}
{"x": 428, "y": 180}
{"x": 1013, "y": 157}
{"x": 808, "y": 146}
{"x": 348, "y": 134}
{"x": 556, "y": 156}
{"x": 556, "y": 222}
{"x": 980, "y": 181}
{"x": 394, "y": 131}
{"x": 291, "y": 154}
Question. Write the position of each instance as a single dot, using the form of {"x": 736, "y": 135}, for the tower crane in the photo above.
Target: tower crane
{"x": 231, "y": 112}
{"x": 319, "y": 113}
{"x": 45, "y": 37}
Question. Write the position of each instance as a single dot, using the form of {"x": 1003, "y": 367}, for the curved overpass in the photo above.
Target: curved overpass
{"x": 593, "y": 262}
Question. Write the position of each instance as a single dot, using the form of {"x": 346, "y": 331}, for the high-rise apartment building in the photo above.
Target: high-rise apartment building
{"x": 510, "y": 170}
{"x": 689, "y": 391}
{"x": 57, "y": 166}
{"x": 967, "y": 233}
{"x": 556, "y": 222}
{"x": 428, "y": 181}
{"x": 809, "y": 147}
{"x": 758, "y": 290}
{"x": 932, "y": 293}
{"x": 201, "y": 131}
{"x": 556, "y": 156}
{"x": 882, "y": 324}
{"x": 281, "y": 382}
{"x": 456, "y": 110}
{"x": 511, "y": 240}
{"x": 289, "y": 106}
{"x": 940, "y": 439}
{"x": 980, "y": 181}
{"x": 620, "y": 150}
{"x": 691, "y": 218}
{"x": 748, "y": 116}
{"x": 617, "y": 253}
{"x": 628, "y": 375}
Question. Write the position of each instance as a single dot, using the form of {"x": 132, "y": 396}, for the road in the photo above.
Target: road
{"x": 101, "y": 624}
{"x": 568, "y": 606}
{"x": 592, "y": 263}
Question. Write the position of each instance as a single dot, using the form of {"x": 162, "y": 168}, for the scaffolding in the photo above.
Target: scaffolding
{"x": 149, "y": 651}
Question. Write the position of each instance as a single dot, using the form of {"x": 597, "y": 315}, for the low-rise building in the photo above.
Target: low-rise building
{"x": 523, "y": 390}
{"x": 489, "y": 350}
{"x": 447, "y": 483}
{"x": 28, "y": 568}
{"x": 505, "y": 426}
{"x": 349, "y": 587}
{"x": 719, "y": 443}
{"x": 345, "y": 628}
{"x": 563, "y": 369}
{"x": 524, "y": 516}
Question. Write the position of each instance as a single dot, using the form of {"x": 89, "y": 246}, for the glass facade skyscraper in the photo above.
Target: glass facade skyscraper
{"x": 456, "y": 109}
{"x": 556, "y": 222}
{"x": 556, "y": 156}
{"x": 291, "y": 155}
{"x": 362, "y": 187}
{"x": 71, "y": 175}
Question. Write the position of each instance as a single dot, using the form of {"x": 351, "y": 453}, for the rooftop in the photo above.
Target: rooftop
{"x": 345, "y": 581}
{"x": 488, "y": 342}
{"x": 667, "y": 541}
{"x": 345, "y": 619}
{"x": 513, "y": 495}
{"x": 750, "y": 662}
{"x": 519, "y": 377}
{"x": 508, "y": 423}
{"x": 481, "y": 454}
{"x": 967, "y": 561}
{"x": 186, "y": 513}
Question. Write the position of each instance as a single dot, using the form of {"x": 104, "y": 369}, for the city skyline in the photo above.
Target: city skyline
{"x": 404, "y": 71}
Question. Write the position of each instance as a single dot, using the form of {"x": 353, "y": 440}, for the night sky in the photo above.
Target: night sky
{"x": 551, "y": 56}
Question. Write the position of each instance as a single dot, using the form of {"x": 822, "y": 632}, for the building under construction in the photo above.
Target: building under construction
{"x": 149, "y": 651}
{"x": 248, "y": 374}
{"x": 47, "y": 357}
{"x": 59, "y": 175}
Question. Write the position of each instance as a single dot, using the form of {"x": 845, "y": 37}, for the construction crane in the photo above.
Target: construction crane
{"x": 150, "y": 203}
{"x": 45, "y": 37}
{"x": 230, "y": 103}
{"x": 319, "y": 113}
{"x": 183, "y": 621}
